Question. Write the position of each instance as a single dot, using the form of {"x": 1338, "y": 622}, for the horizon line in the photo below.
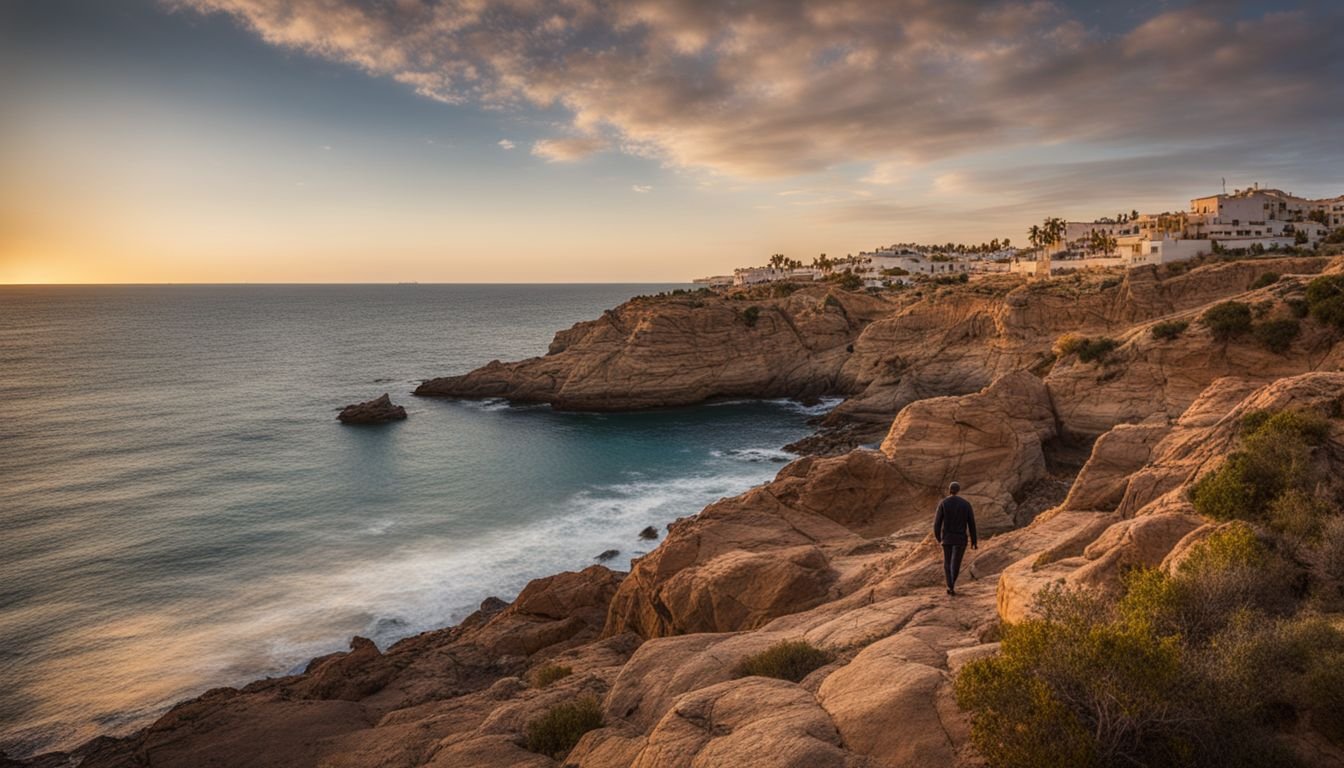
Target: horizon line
{"x": 401, "y": 282}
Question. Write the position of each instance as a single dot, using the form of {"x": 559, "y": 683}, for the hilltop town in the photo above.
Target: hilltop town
{"x": 1247, "y": 221}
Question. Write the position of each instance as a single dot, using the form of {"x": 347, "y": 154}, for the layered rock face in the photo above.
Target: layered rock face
{"x": 958, "y": 340}
{"x": 672, "y": 351}
{"x": 836, "y": 551}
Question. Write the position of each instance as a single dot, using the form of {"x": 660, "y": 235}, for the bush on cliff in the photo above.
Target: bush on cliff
{"x": 847, "y": 280}
{"x": 790, "y": 660}
{"x": 1265, "y": 280}
{"x": 1088, "y": 350}
{"x": 1201, "y": 667}
{"x": 1169, "y": 330}
{"x": 751, "y": 315}
{"x": 544, "y": 676}
{"x": 555, "y": 733}
{"x": 1227, "y": 319}
{"x": 1325, "y": 300}
{"x": 1277, "y": 335}
{"x": 1275, "y": 458}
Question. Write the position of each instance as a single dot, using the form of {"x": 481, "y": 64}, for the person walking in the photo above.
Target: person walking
{"x": 953, "y": 520}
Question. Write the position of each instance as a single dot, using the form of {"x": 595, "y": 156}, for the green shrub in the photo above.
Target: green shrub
{"x": 1227, "y": 319}
{"x": 1195, "y": 668}
{"x": 1082, "y": 686}
{"x": 1324, "y": 687}
{"x": 1298, "y": 306}
{"x": 1168, "y": 330}
{"x": 544, "y": 676}
{"x": 750, "y": 315}
{"x": 1277, "y": 335}
{"x": 787, "y": 660}
{"x": 555, "y": 733}
{"x": 1088, "y": 350}
{"x": 957, "y": 279}
{"x": 1265, "y": 280}
{"x": 848, "y": 280}
{"x": 1325, "y": 300}
{"x": 1275, "y": 457}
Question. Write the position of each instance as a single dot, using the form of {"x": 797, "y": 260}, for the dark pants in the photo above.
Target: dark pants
{"x": 952, "y": 562}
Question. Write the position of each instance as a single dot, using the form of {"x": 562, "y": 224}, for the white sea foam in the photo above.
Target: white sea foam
{"x": 820, "y": 408}
{"x": 756, "y": 455}
{"x": 426, "y": 586}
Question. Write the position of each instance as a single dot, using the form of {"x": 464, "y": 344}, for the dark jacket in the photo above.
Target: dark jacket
{"x": 953, "y": 519}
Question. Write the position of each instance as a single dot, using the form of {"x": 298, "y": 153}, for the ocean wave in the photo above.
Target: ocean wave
{"x": 427, "y": 586}
{"x": 756, "y": 455}
{"x": 489, "y": 405}
{"x": 820, "y": 408}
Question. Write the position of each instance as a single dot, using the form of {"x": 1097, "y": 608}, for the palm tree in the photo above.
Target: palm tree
{"x": 1034, "y": 236}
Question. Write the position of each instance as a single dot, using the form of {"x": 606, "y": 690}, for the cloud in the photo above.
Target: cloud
{"x": 568, "y": 150}
{"x": 641, "y": 188}
{"x": 505, "y": 144}
{"x": 767, "y": 88}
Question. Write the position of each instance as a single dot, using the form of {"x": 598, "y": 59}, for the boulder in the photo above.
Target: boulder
{"x": 754, "y": 721}
{"x": 375, "y": 411}
{"x": 883, "y": 704}
{"x": 992, "y": 442}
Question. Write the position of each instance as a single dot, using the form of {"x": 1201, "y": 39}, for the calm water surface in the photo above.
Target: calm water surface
{"x": 181, "y": 510}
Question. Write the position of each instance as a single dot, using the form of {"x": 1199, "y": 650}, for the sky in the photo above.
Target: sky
{"x": 149, "y": 141}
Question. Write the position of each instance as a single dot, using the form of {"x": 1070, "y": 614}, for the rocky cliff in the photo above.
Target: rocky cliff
{"x": 680, "y": 350}
{"x": 1079, "y": 470}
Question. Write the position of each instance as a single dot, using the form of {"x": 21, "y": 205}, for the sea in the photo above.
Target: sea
{"x": 180, "y": 509}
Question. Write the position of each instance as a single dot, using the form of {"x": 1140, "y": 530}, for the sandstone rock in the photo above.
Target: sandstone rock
{"x": 864, "y": 696}
{"x": 1146, "y": 375}
{"x": 1116, "y": 456}
{"x": 954, "y": 342}
{"x": 551, "y": 610}
{"x": 990, "y": 442}
{"x": 374, "y": 411}
{"x": 350, "y": 676}
{"x": 755, "y": 721}
{"x": 1143, "y": 541}
{"x": 668, "y": 352}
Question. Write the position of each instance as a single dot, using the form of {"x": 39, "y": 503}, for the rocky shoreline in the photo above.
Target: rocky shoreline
{"x": 1080, "y": 469}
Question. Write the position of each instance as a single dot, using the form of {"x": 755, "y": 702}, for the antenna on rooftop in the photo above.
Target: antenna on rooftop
{"x": 1224, "y": 185}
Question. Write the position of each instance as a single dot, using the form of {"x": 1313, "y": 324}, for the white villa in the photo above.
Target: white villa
{"x": 1268, "y": 218}
{"x": 1245, "y": 219}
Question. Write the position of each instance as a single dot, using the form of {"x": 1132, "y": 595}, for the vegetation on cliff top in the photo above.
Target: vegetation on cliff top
{"x": 1169, "y": 330}
{"x": 1227, "y": 320}
{"x": 1272, "y": 473}
{"x": 1088, "y": 349}
{"x": 1201, "y": 667}
{"x": 1204, "y": 664}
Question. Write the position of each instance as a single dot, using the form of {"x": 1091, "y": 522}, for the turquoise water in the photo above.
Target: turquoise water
{"x": 181, "y": 510}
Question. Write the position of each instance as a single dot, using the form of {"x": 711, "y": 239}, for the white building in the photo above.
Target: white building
{"x": 1267, "y": 217}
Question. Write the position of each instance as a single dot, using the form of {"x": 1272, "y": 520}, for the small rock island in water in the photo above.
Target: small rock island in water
{"x": 376, "y": 411}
